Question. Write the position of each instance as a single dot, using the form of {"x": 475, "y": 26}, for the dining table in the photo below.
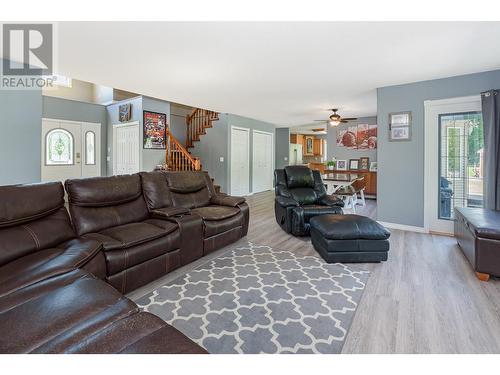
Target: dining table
{"x": 335, "y": 181}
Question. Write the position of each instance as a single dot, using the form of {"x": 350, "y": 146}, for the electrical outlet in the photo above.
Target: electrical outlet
{"x": 221, "y": 159}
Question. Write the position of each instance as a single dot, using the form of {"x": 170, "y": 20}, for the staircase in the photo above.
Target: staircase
{"x": 197, "y": 122}
{"x": 178, "y": 158}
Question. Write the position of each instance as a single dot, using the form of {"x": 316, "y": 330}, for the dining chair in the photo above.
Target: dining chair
{"x": 349, "y": 194}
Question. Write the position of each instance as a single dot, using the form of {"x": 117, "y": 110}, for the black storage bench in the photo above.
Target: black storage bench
{"x": 349, "y": 239}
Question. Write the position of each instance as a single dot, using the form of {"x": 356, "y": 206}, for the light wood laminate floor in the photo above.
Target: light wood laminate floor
{"x": 424, "y": 299}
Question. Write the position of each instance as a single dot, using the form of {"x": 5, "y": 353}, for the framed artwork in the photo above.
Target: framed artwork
{"x": 125, "y": 112}
{"x": 342, "y": 165}
{"x": 373, "y": 166}
{"x": 309, "y": 147}
{"x": 357, "y": 137}
{"x": 364, "y": 163}
{"x": 353, "y": 164}
{"x": 154, "y": 130}
{"x": 400, "y": 126}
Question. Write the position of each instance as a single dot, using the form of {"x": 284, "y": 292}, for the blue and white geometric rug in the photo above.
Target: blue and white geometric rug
{"x": 255, "y": 299}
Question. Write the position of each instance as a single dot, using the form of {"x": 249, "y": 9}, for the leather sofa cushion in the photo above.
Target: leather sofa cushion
{"x": 104, "y": 191}
{"x": 47, "y": 263}
{"x": 483, "y": 223}
{"x": 132, "y": 234}
{"x": 118, "y": 260}
{"x": 76, "y": 311}
{"x": 23, "y": 203}
{"x": 155, "y": 189}
{"x": 316, "y": 210}
{"x": 227, "y": 200}
{"x": 215, "y": 213}
{"x": 214, "y": 227}
{"x": 138, "y": 333}
{"x": 186, "y": 182}
{"x": 303, "y": 195}
{"x": 189, "y": 189}
{"x": 46, "y": 232}
{"x": 349, "y": 227}
{"x": 299, "y": 177}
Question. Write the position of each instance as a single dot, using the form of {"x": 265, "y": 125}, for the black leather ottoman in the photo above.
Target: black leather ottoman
{"x": 349, "y": 239}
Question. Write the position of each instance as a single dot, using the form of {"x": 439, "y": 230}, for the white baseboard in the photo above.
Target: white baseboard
{"x": 409, "y": 228}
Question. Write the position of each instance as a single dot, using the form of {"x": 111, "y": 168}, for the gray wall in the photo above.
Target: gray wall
{"x": 343, "y": 153}
{"x": 282, "y": 147}
{"x": 112, "y": 119}
{"x": 211, "y": 147}
{"x": 400, "y": 189}
{"x": 63, "y": 109}
{"x": 177, "y": 121}
{"x": 20, "y": 136}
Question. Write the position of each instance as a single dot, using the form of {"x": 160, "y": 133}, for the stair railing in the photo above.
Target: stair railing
{"x": 178, "y": 158}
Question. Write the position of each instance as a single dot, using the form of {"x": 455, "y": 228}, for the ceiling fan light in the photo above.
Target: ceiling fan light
{"x": 334, "y": 122}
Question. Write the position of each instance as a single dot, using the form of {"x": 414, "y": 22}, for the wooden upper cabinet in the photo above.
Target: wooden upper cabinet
{"x": 317, "y": 147}
{"x": 297, "y": 139}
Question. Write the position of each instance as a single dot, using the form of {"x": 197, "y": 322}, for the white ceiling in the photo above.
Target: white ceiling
{"x": 284, "y": 73}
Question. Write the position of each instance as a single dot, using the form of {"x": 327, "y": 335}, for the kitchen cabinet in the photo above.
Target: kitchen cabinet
{"x": 318, "y": 147}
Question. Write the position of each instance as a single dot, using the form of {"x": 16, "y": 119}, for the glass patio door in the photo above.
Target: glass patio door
{"x": 454, "y": 160}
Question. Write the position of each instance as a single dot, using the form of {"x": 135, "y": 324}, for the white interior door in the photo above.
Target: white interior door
{"x": 453, "y": 160}
{"x": 63, "y": 145}
{"x": 126, "y": 148}
{"x": 240, "y": 161}
{"x": 263, "y": 151}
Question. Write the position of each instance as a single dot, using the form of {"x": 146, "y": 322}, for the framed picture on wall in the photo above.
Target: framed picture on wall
{"x": 364, "y": 163}
{"x": 373, "y": 166}
{"x": 342, "y": 165}
{"x": 125, "y": 112}
{"x": 400, "y": 126}
{"x": 154, "y": 130}
{"x": 353, "y": 164}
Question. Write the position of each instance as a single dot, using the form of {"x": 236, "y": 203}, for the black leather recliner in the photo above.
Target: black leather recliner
{"x": 301, "y": 195}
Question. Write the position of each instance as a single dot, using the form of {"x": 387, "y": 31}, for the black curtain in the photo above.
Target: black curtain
{"x": 491, "y": 120}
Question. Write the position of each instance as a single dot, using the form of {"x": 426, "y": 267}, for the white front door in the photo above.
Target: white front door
{"x": 453, "y": 160}
{"x": 126, "y": 149}
{"x": 263, "y": 151}
{"x": 240, "y": 163}
{"x": 70, "y": 150}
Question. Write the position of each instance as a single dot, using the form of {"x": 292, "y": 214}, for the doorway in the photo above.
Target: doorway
{"x": 126, "y": 148}
{"x": 240, "y": 161}
{"x": 454, "y": 160}
{"x": 70, "y": 149}
{"x": 263, "y": 161}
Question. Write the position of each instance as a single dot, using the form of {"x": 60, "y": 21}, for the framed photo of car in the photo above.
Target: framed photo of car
{"x": 154, "y": 130}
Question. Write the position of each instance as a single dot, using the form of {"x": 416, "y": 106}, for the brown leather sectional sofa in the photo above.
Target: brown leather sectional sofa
{"x": 62, "y": 279}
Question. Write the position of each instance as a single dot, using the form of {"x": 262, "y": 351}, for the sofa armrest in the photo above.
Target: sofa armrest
{"x": 168, "y": 212}
{"x": 226, "y": 200}
{"x": 286, "y": 202}
{"x": 328, "y": 200}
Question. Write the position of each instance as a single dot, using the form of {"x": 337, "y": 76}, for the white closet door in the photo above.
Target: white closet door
{"x": 263, "y": 150}
{"x": 240, "y": 163}
{"x": 126, "y": 149}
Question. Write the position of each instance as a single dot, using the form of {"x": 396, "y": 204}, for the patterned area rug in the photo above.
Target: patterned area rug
{"x": 254, "y": 299}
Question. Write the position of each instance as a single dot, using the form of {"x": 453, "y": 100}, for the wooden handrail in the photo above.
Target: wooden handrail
{"x": 178, "y": 158}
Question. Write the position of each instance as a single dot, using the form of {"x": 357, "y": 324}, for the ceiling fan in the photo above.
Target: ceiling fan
{"x": 335, "y": 119}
